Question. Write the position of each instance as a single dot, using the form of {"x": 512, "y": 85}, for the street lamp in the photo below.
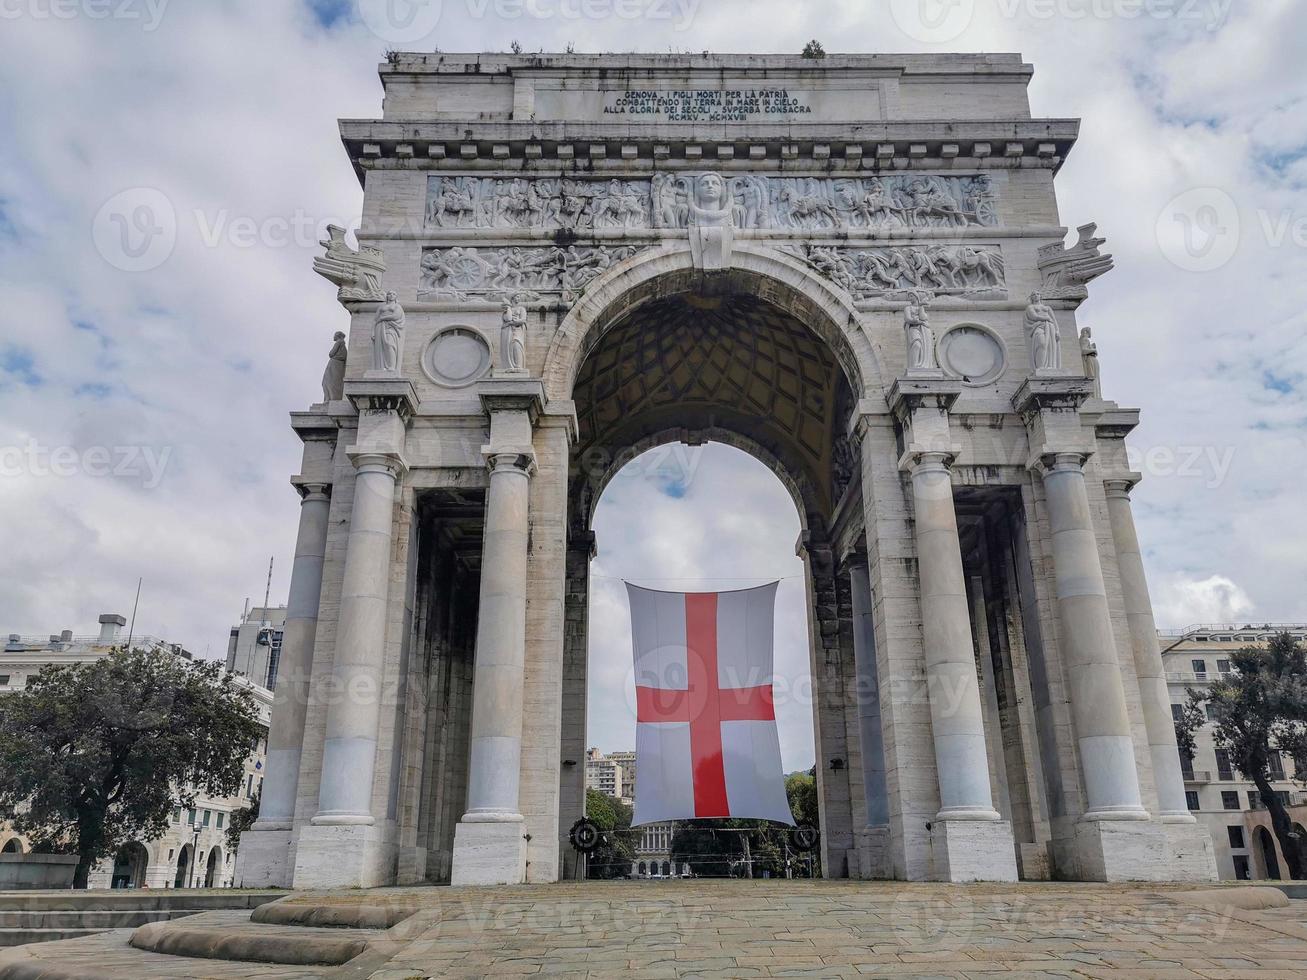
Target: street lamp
{"x": 195, "y": 846}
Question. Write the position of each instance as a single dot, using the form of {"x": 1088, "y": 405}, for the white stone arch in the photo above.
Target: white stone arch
{"x": 13, "y": 845}
{"x": 797, "y": 487}
{"x": 770, "y": 275}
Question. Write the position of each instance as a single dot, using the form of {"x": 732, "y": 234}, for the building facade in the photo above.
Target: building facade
{"x": 254, "y": 646}
{"x": 853, "y": 268}
{"x": 1228, "y": 805}
{"x": 606, "y": 775}
{"x": 194, "y": 850}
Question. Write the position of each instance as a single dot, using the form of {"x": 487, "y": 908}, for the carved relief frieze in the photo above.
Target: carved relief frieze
{"x": 514, "y": 273}
{"x": 755, "y": 202}
{"x": 895, "y": 272}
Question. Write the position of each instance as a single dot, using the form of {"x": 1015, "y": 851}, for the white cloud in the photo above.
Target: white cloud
{"x": 1179, "y": 601}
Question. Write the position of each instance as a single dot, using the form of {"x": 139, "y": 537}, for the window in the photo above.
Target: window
{"x": 1223, "y": 666}
{"x": 1236, "y": 836}
{"x": 1241, "y": 870}
{"x": 190, "y": 819}
{"x": 1275, "y": 765}
{"x": 1223, "y": 769}
{"x": 4, "y": 680}
{"x": 208, "y": 815}
{"x": 1283, "y": 796}
{"x": 176, "y": 814}
{"x": 1176, "y": 710}
{"x": 249, "y": 786}
{"x": 1191, "y": 799}
{"x": 1209, "y": 711}
{"x": 1230, "y": 799}
{"x": 222, "y": 817}
{"x": 1255, "y": 800}
{"x": 1200, "y": 667}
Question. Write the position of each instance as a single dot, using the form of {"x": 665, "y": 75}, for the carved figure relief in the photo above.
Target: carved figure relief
{"x": 1042, "y": 337}
{"x": 919, "y": 336}
{"x": 668, "y": 201}
{"x": 520, "y": 274}
{"x": 956, "y": 270}
{"x": 512, "y": 340}
{"x": 388, "y": 335}
{"x": 711, "y": 217}
{"x": 333, "y": 378}
{"x": 1089, "y": 353}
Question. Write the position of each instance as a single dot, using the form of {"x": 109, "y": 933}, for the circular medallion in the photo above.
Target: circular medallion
{"x": 455, "y": 357}
{"x": 973, "y": 354}
{"x": 584, "y": 835}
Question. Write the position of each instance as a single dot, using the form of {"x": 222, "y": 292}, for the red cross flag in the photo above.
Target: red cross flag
{"x": 705, "y": 734}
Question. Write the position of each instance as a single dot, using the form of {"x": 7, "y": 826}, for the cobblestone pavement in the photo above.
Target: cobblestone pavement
{"x": 776, "y": 928}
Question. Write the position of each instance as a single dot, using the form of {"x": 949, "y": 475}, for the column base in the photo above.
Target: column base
{"x": 1122, "y": 850}
{"x": 972, "y": 850}
{"x": 489, "y": 854}
{"x": 263, "y": 860}
{"x": 1033, "y": 863}
{"x": 874, "y": 862}
{"x": 343, "y": 856}
{"x": 1192, "y": 855}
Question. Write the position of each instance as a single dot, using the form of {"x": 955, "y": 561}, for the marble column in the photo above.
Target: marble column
{"x": 496, "y": 746}
{"x": 1147, "y": 657}
{"x": 262, "y": 858}
{"x": 1107, "y": 758}
{"x": 955, "y": 710}
{"x": 354, "y": 709}
{"x": 873, "y": 840}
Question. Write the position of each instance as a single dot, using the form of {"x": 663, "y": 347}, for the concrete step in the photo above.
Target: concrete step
{"x": 118, "y": 900}
{"x": 232, "y": 936}
{"x": 23, "y": 936}
{"x": 124, "y": 919}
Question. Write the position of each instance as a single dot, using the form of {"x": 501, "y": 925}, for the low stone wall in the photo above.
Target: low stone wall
{"x": 20, "y": 872}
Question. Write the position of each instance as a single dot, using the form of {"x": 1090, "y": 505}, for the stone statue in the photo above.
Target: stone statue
{"x": 711, "y": 231}
{"x": 388, "y": 335}
{"x": 920, "y": 338}
{"x": 1042, "y": 337}
{"x": 333, "y": 379}
{"x": 512, "y": 340}
{"x": 1089, "y": 354}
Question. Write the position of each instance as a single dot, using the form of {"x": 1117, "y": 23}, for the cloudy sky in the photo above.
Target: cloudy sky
{"x": 143, "y": 413}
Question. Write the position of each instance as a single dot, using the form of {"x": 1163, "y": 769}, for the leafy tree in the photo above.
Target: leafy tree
{"x": 1192, "y": 718}
{"x": 242, "y": 820}
{"x": 813, "y": 49}
{"x": 95, "y": 755}
{"x": 613, "y": 857}
{"x": 1260, "y": 709}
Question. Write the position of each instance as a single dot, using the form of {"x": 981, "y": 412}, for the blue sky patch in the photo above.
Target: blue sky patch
{"x": 329, "y": 13}
{"x": 19, "y": 364}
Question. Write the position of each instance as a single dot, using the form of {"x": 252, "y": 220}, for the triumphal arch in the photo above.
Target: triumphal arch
{"x": 853, "y": 268}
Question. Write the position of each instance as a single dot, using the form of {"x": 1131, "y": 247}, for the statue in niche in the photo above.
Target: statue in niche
{"x": 1089, "y": 354}
{"x": 1042, "y": 335}
{"x": 333, "y": 378}
{"x": 512, "y": 338}
{"x": 711, "y": 231}
{"x": 920, "y": 337}
{"x": 388, "y": 335}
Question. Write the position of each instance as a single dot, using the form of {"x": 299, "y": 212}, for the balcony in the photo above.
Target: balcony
{"x": 1197, "y": 775}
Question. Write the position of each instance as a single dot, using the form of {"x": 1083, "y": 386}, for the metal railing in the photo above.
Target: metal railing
{"x": 1234, "y": 628}
{"x": 1197, "y": 775}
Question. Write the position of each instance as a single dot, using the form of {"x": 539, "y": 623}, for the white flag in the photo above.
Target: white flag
{"x": 705, "y": 737}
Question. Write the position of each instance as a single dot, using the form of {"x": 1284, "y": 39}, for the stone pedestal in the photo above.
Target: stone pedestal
{"x": 264, "y": 859}
{"x": 874, "y": 861}
{"x": 344, "y": 856}
{"x": 1191, "y": 856}
{"x": 489, "y": 853}
{"x": 973, "y": 850}
{"x": 1122, "y": 850}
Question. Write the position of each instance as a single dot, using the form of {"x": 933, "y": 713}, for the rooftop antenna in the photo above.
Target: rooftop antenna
{"x": 131, "y": 630}
{"x": 267, "y": 592}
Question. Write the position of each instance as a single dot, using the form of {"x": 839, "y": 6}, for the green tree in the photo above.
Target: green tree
{"x": 242, "y": 820}
{"x": 1261, "y": 708}
{"x": 813, "y": 49}
{"x": 1192, "y": 717}
{"x": 612, "y": 858}
{"x": 95, "y": 755}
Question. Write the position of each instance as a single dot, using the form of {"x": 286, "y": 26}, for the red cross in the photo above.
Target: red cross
{"x": 705, "y": 704}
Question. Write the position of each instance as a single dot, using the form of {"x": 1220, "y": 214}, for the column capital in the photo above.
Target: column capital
{"x": 1041, "y": 394}
{"x": 922, "y": 460}
{"x": 311, "y": 489}
{"x": 1059, "y": 461}
{"x": 1119, "y": 487}
{"x": 908, "y": 395}
{"x": 371, "y": 461}
{"x": 383, "y": 394}
{"x": 523, "y": 461}
{"x": 512, "y": 395}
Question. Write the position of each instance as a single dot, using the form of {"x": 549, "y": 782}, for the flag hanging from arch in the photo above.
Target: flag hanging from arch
{"x": 706, "y": 743}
